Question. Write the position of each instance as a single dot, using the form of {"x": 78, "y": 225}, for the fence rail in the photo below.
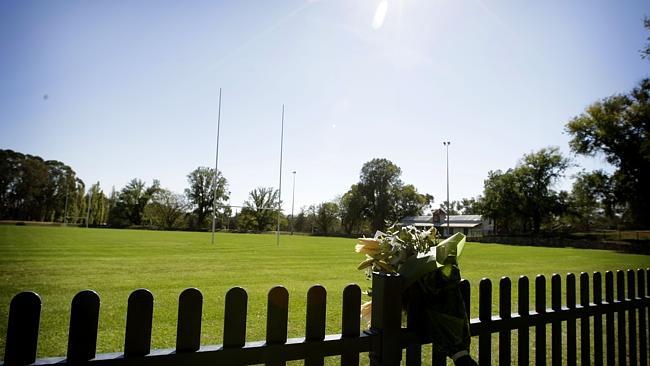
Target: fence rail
{"x": 623, "y": 340}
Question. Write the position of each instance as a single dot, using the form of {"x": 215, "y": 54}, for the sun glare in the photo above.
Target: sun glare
{"x": 380, "y": 15}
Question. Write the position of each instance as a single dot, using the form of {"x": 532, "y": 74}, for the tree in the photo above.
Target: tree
{"x": 352, "y": 205}
{"x": 537, "y": 173}
{"x": 378, "y": 181}
{"x": 306, "y": 220}
{"x": 98, "y": 205}
{"x": 592, "y": 201}
{"x": 167, "y": 209}
{"x": 32, "y": 188}
{"x": 500, "y": 201}
{"x": 469, "y": 206}
{"x": 201, "y": 193}
{"x": 327, "y": 217}
{"x": 618, "y": 127}
{"x": 131, "y": 202}
{"x": 383, "y": 196}
{"x": 521, "y": 199}
{"x": 453, "y": 207}
{"x": 260, "y": 211}
{"x": 410, "y": 202}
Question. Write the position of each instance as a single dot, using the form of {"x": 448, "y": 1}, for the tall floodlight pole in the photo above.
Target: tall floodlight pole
{"x": 447, "y": 143}
{"x": 277, "y": 233}
{"x": 216, "y": 170}
{"x": 293, "y": 197}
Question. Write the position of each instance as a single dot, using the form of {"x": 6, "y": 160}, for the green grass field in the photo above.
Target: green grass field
{"x": 59, "y": 262}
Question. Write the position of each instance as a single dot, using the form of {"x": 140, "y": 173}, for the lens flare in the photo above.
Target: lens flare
{"x": 380, "y": 15}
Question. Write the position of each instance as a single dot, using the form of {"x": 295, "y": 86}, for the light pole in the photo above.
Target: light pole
{"x": 447, "y": 143}
{"x": 293, "y": 196}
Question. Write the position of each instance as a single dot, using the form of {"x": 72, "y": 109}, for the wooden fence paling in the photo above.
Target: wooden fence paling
{"x": 631, "y": 321}
{"x": 523, "y": 310}
{"x": 585, "y": 332}
{"x": 139, "y": 315}
{"x": 385, "y": 340}
{"x": 620, "y": 319}
{"x": 643, "y": 341}
{"x": 540, "y": 328}
{"x": 188, "y": 329}
{"x": 234, "y": 318}
{"x": 84, "y": 318}
{"x": 556, "y": 326}
{"x": 276, "y": 320}
{"x": 505, "y": 311}
{"x": 609, "y": 319}
{"x": 350, "y": 323}
{"x": 22, "y": 329}
{"x": 571, "y": 322}
{"x": 485, "y": 316}
{"x": 315, "y": 322}
{"x": 597, "y": 283}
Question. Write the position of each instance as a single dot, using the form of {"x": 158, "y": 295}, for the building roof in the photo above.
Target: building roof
{"x": 461, "y": 224}
{"x": 465, "y": 218}
{"x": 408, "y": 220}
{"x": 454, "y": 220}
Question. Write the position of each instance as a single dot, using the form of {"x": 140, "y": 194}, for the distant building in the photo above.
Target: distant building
{"x": 470, "y": 225}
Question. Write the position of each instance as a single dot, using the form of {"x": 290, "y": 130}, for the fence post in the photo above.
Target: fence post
{"x": 523, "y": 308}
{"x": 351, "y": 322}
{"x": 386, "y": 319}
{"x": 540, "y": 327}
{"x": 485, "y": 316}
{"x": 571, "y": 357}
{"x": 22, "y": 329}
{"x": 84, "y": 319}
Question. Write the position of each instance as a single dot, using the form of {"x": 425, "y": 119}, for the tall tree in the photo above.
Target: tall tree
{"x": 306, "y": 219}
{"x": 592, "y": 201}
{"x": 469, "y": 206}
{"x": 379, "y": 180}
{"x": 32, "y": 188}
{"x": 327, "y": 217}
{"x": 352, "y": 206}
{"x": 98, "y": 205}
{"x": 201, "y": 193}
{"x": 618, "y": 127}
{"x": 167, "y": 209}
{"x": 538, "y": 172}
{"x": 409, "y": 202}
{"x": 383, "y": 195}
{"x": 260, "y": 210}
{"x": 521, "y": 199}
{"x": 501, "y": 201}
{"x": 453, "y": 207}
{"x": 131, "y": 202}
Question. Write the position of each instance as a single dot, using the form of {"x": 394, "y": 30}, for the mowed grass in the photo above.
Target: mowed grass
{"x": 58, "y": 262}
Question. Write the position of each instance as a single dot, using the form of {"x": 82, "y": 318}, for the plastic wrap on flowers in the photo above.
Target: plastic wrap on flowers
{"x": 438, "y": 312}
{"x": 431, "y": 293}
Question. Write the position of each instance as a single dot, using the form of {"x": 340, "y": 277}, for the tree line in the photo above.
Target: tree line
{"x": 34, "y": 189}
{"x": 520, "y": 200}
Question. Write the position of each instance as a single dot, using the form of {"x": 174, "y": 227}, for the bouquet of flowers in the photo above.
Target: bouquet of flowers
{"x": 431, "y": 293}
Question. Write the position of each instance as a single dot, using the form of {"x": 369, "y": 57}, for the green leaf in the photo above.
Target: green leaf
{"x": 445, "y": 253}
{"x": 417, "y": 266}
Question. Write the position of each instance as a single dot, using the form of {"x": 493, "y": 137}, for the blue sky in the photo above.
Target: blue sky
{"x": 133, "y": 86}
